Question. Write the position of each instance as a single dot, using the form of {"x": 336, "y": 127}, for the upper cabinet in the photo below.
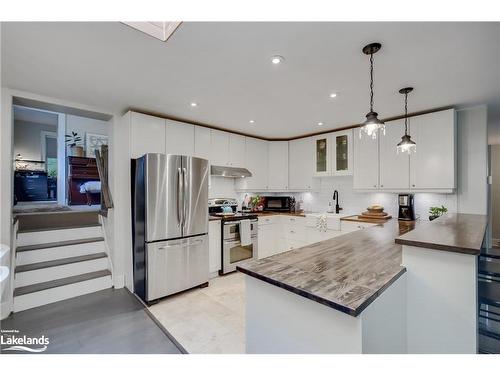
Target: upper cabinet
{"x": 342, "y": 153}
{"x": 365, "y": 162}
{"x": 219, "y": 152}
{"x": 394, "y": 166}
{"x": 333, "y": 154}
{"x": 256, "y": 161}
{"x": 227, "y": 149}
{"x": 202, "y": 142}
{"x": 147, "y": 134}
{"x": 278, "y": 165}
{"x": 301, "y": 166}
{"x": 322, "y": 157}
{"x": 179, "y": 138}
{"x": 236, "y": 150}
{"x": 433, "y": 166}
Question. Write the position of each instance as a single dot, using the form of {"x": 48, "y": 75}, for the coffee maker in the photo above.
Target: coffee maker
{"x": 406, "y": 208}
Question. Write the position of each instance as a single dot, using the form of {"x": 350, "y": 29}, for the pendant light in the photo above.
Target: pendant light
{"x": 372, "y": 123}
{"x": 406, "y": 144}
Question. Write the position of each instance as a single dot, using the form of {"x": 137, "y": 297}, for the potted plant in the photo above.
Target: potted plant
{"x": 257, "y": 203}
{"x": 73, "y": 141}
{"x": 435, "y": 212}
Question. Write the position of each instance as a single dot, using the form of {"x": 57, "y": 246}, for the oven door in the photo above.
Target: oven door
{"x": 232, "y": 251}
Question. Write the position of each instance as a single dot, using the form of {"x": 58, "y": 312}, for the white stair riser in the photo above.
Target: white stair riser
{"x": 59, "y": 272}
{"x": 36, "y": 238}
{"x": 44, "y": 297}
{"x": 53, "y": 253}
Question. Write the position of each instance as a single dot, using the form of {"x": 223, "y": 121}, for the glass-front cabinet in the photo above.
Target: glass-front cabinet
{"x": 342, "y": 153}
{"x": 322, "y": 158}
{"x": 333, "y": 154}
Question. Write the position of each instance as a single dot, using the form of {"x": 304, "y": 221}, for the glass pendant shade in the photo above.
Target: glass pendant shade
{"x": 371, "y": 125}
{"x": 406, "y": 145}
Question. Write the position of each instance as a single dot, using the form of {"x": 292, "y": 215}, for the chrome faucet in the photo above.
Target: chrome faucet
{"x": 336, "y": 199}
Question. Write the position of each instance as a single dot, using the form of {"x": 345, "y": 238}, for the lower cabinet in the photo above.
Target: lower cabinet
{"x": 280, "y": 233}
{"x": 214, "y": 246}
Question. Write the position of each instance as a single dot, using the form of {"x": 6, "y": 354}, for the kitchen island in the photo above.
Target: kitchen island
{"x": 347, "y": 294}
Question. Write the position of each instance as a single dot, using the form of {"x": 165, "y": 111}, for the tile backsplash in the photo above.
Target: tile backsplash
{"x": 351, "y": 201}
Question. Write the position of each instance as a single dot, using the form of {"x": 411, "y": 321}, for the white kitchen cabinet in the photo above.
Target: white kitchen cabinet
{"x": 202, "y": 142}
{"x": 322, "y": 155}
{"x": 256, "y": 161}
{"x": 433, "y": 166}
{"x": 341, "y": 153}
{"x": 214, "y": 246}
{"x": 278, "y": 165}
{"x": 266, "y": 237}
{"x": 179, "y": 138}
{"x": 301, "y": 165}
{"x": 219, "y": 152}
{"x": 366, "y": 162}
{"x": 394, "y": 166}
{"x": 236, "y": 150}
{"x": 147, "y": 135}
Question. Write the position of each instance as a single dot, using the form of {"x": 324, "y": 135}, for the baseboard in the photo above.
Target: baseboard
{"x": 118, "y": 281}
{"x": 6, "y": 308}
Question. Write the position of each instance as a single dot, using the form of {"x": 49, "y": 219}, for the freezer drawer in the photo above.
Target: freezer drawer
{"x": 176, "y": 265}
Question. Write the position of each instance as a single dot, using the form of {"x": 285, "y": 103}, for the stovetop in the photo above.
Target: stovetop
{"x": 237, "y": 216}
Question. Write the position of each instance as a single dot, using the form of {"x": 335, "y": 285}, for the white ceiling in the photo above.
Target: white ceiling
{"x": 226, "y": 69}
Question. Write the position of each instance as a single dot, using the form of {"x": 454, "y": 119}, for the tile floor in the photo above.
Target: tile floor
{"x": 207, "y": 320}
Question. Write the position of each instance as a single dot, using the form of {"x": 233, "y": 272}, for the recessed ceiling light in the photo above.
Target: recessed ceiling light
{"x": 277, "y": 59}
{"x": 252, "y": 121}
{"x": 320, "y": 124}
{"x": 193, "y": 104}
{"x": 333, "y": 95}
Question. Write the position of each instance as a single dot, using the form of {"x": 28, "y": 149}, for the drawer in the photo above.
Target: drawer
{"x": 332, "y": 223}
{"x": 351, "y": 226}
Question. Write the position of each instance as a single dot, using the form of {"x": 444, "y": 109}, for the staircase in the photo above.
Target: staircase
{"x": 59, "y": 255}
{"x": 489, "y": 301}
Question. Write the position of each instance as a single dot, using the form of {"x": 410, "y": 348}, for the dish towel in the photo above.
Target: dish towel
{"x": 245, "y": 235}
{"x": 321, "y": 223}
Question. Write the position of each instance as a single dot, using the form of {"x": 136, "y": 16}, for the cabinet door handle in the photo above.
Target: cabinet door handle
{"x": 413, "y": 185}
{"x": 381, "y": 185}
{"x": 374, "y": 185}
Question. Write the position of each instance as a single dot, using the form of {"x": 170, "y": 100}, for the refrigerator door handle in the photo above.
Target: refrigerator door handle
{"x": 184, "y": 197}
{"x": 180, "y": 191}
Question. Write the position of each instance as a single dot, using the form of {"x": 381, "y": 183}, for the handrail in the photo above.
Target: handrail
{"x": 101, "y": 157}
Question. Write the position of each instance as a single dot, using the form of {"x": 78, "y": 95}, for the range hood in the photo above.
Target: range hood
{"x": 234, "y": 172}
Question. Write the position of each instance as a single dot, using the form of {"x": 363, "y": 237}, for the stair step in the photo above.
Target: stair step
{"x": 57, "y": 290}
{"x": 59, "y": 244}
{"x": 488, "y": 345}
{"x": 43, "y": 220}
{"x": 38, "y": 237}
{"x": 60, "y": 268}
{"x": 494, "y": 253}
{"x": 46, "y": 229}
{"x": 58, "y": 250}
{"x": 489, "y": 293}
{"x": 60, "y": 282}
{"x": 59, "y": 262}
{"x": 490, "y": 268}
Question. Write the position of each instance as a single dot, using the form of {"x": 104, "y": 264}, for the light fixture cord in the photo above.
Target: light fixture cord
{"x": 371, "y": 82}
{"x": 406, "y": 113}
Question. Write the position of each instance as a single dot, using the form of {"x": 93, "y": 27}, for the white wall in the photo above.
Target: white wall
{"x": 495, "y": 191}
{"x": 472, "y": 160}
{"x": 84, "y": 125}
{"x": 27, "y": 139}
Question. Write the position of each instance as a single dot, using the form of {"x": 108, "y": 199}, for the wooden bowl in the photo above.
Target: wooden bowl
{"x": 375, "y": 209}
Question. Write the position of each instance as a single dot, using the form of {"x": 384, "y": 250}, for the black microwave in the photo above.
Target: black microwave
{"x": 279, "y": 203}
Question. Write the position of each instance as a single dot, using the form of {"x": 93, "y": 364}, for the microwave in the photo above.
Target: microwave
{"x": 279, "y": 203}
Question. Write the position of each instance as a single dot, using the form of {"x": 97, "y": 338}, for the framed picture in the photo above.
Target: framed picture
{"x": 94, "y": 142}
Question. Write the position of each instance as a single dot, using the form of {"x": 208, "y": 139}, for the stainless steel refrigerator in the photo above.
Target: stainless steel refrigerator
{"x": 170, "y": 224}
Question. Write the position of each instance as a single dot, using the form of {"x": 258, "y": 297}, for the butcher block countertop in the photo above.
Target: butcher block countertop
{"x": 346, "y": 273}
{"x": 359, "y": 219}
{"x": 460, "y": 233}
